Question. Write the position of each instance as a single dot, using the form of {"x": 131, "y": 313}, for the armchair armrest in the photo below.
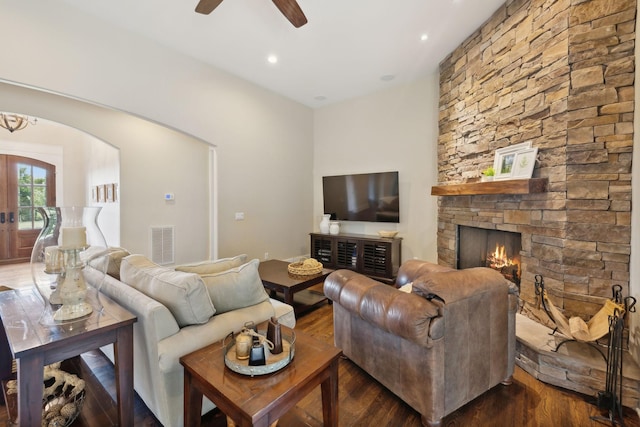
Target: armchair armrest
{"x": 406, "y": 315}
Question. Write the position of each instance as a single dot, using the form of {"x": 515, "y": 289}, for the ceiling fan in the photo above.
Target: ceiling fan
{"x": 289, "y": 8}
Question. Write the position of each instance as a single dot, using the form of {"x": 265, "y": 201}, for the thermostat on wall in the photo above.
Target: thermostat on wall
{"x": 169, "y": 196}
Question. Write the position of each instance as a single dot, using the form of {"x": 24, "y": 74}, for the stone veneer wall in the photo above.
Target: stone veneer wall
{"x": 561, "y": 74}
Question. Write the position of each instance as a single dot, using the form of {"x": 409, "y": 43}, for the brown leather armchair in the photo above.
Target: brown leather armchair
{"x": 442, "y": 345}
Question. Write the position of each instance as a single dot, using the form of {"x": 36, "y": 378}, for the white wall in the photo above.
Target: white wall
{"x": 103, "y": 167}
{"x": 396, "y": 129}
{"x": 267, "y": 166}
{"x": 264, "y": 141}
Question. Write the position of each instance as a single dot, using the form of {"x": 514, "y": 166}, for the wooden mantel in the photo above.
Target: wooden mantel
{"x": 514, "y": 186}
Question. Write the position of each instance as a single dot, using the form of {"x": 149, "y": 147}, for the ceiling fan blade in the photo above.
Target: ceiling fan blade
{"x": 291, "y": 10}
{"x": 206, "y": 6}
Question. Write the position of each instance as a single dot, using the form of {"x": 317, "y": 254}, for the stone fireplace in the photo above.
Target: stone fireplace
{"x": 558, "y": 73}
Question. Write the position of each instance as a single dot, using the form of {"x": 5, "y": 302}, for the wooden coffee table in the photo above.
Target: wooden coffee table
{"x": 276, "y": 278}
{"x": 261, "y": 400}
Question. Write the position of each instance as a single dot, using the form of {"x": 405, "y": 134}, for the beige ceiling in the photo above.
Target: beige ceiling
{"x": 349, "y": 48}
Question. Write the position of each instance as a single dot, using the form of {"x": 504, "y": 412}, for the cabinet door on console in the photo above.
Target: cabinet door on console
{"x": 322, "y": 250}
{"x": 376, "y": 259}
{"x": 347, "y": 253}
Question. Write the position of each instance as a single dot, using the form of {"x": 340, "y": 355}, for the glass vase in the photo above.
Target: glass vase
{"x": 69, "y": 246}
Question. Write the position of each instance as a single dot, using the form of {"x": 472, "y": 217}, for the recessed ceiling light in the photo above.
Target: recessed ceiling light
{"x": 320, "y": 98}
{"x": 424, "y": 37}
{"x": 272, "y": 59}
{"x": 387, "y": 77}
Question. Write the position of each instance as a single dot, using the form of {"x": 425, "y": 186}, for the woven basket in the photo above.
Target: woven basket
{"x": 60, "y": 404}
{"x": 299, "y": 269}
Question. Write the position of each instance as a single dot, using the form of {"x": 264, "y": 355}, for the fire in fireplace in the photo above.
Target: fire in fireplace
{"x": 500, "y": 250}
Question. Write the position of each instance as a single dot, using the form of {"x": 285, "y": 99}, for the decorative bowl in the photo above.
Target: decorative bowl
{"x": 307, "y": 267}
{"x": 387, "y": 233}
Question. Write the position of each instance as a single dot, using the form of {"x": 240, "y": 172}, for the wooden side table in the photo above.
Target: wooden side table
{"x": 261, "y": 400}
{"x": 34, "y": 345}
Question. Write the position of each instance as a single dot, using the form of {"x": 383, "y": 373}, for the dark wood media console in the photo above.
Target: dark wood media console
{"x": 373, "y": 256}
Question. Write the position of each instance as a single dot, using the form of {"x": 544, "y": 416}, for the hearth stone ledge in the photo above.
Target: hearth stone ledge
{"x": 575, "y": 366}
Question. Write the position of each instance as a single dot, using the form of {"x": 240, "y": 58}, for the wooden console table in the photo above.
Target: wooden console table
{"x": 373, "y": 256}
{"x": 34, "y": 345}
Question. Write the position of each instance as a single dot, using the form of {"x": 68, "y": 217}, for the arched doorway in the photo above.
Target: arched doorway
{"x": 174, "y": 162}
{"x": 26, "y": 183}
{"x": 82, "y": 163}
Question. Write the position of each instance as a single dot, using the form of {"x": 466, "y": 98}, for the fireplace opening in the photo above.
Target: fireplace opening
{"x": 496, "y": 249}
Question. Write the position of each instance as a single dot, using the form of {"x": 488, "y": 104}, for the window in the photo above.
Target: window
{"x": 32, "y": 193}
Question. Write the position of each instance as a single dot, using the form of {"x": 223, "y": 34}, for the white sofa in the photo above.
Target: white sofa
{"x": 161, "y": 338}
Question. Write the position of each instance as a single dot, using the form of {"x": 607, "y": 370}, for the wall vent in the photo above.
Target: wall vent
{"x": 162, "y": 245}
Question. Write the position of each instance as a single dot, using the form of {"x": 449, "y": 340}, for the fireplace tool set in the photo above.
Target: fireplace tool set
{"x": 609, "y": 320}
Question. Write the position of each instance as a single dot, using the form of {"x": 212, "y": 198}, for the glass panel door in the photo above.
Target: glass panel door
{"x": 32, "y": 192}
{"x": 29, "y": 183}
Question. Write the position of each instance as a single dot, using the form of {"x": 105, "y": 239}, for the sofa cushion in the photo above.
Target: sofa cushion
{"x": 215, "y": 266}
{"x": 236, "y": 288}
{"x": 184, "y": 294}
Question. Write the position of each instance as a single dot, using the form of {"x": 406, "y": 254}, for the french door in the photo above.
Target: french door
{"x": 25, "y": 184}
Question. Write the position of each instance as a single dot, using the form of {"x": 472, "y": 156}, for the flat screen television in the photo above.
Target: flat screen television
{"x": 371, "y": 197}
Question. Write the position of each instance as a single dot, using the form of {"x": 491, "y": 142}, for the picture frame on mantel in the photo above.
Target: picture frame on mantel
{"x": 504, "y": 160}
{"x": 110, "y": 193}
{"x": 524, "y": 163}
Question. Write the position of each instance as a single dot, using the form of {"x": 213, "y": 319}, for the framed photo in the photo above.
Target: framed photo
{"x": 504, "y": 160}
{"x": 110, "y": 193}
{"x": 94, "y": 194}
{"x": 524, "y": 163}
{"x": 101, "y": 194}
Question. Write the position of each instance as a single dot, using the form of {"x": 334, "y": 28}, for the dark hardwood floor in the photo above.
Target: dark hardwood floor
{"x": 362, "y": 401}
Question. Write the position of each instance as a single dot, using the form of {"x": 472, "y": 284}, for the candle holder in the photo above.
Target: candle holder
{"x": 70, "y": 242}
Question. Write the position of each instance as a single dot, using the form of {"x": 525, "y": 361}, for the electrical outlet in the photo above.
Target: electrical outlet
{"x": 266, "y": 255}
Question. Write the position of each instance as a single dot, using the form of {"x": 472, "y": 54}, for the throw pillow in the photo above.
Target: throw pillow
{"x": 184, "y": 294}
{"x": 406, "y": 288}
{"x": 216, "y": 266}
{"x": 236, "y": 288}
{"x": 115, "y": 259}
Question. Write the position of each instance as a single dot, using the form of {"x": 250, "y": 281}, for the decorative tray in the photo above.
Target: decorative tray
{"x": 275, "y": 362}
